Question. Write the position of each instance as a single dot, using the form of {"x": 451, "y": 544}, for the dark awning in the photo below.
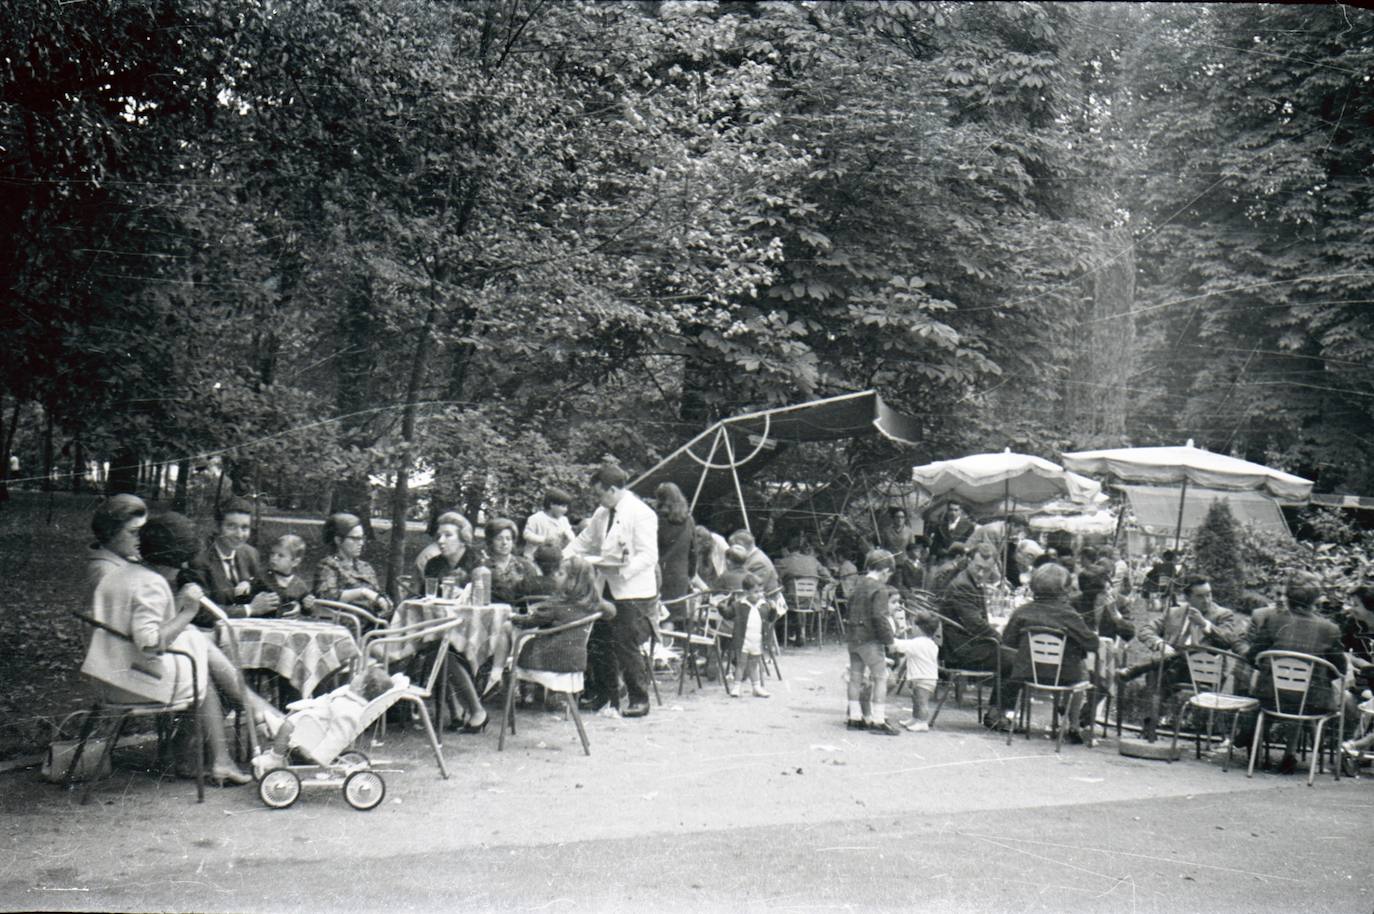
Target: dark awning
{"x": 748, "y": 443}
{"x": 1156, "y": 508}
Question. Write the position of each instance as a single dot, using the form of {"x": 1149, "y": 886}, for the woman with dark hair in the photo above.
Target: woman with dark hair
{"x": 138, "y": 601}
{"x": 676, "y": 548}
{"x": 343, "y": 575}
{"x": 508, "y": 569}
{"x": 117, "y": 525}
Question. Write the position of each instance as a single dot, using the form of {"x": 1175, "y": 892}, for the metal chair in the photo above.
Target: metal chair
{"x": 802, "y": 595}
{"x": 1290, "y": 677}
{"x": 354, "y": 618}
{"x": 123, "y": 710}
{"x": 1046, "y": 646}
{"x": 386, "y": 645}
{"x": 955, "y": 678}
{"x": 830, "y": 607}
{"x": 1214, "y": 674}
{"x": 702, "y": 624}
{"x": 515, "y": 673}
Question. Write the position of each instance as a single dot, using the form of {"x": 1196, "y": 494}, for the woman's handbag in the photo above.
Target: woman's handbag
{"x": 57, "y": 764}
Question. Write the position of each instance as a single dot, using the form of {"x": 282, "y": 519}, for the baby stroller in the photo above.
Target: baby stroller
{"x": 330, "y": 761}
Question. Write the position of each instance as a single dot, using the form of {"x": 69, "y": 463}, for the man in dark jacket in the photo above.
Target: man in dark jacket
{"x": 971, "y": 643}
{"x": 227, "y": 566}
{"x": 1300, "y": 629}
{"x": 1050, "y": 609}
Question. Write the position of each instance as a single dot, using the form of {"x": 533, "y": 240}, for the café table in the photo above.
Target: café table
{"x": 484, "y": 635}
{"x": 301, "y": 651}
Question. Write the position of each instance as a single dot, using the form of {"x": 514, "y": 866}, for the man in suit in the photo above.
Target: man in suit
{"x": 1297, "y": 628}
{"x": 1199, "y": 622}
{"x": 227, "y": 566}
{"x": 964, "y": 603}
{"x": 622, "y": 541}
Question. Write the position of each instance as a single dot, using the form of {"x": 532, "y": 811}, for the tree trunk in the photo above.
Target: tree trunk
{"x": 78, "y": 466}
{"x": 7, "y": 445}
{"x": 47, "y": 450}
{"x": 180, "y": 498}
{"x": 355, "y": 371}
{"x": 400, "y": 493}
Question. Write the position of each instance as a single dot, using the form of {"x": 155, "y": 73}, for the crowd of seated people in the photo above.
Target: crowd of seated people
{"x": 634, "y": 563}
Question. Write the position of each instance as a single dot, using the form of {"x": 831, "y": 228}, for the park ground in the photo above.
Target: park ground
{"x": 711, "y": 804}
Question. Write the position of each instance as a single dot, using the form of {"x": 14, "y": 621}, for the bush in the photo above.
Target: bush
{"x": 1217, "y": 554}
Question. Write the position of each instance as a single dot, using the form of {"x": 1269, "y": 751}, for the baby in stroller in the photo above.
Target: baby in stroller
{"x": 322, "y": 727}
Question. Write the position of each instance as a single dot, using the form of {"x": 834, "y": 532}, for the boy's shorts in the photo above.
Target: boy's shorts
{"x": 924, "y": 685}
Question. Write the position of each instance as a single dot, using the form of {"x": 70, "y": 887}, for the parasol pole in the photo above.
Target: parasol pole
{"x": 706, "y": 468}
{"x": 1182, "y": 499}
{"x": 734, "y": 474}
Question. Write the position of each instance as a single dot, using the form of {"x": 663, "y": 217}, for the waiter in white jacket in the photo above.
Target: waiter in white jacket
{"x": 621, "y": 542}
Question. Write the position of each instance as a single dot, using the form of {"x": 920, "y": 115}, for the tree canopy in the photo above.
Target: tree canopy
{"x": 496, "y": 241}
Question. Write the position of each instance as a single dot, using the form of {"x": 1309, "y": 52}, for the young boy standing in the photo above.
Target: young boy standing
{"x": 869, "y": 633}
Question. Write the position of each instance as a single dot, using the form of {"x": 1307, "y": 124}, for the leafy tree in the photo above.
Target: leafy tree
{"x": 1217, "y": 554}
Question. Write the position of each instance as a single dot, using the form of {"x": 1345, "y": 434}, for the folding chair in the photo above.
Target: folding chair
{"x": 1046, "y": 646}
{"x": 123, "y": 710}
{"x": 516, "y": 673}
{"x": 354, "y": 618}
{"x": 1214, "y": 674}
{"x": 1290, "y": 679}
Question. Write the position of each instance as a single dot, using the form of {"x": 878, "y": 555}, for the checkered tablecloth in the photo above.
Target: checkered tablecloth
{"x": 302, "y": 652}
{"x": 485, "y": 632}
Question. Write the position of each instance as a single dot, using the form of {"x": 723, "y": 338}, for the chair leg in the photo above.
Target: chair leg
{"x": 577, "y": 720}
{"x": 86, "y": 726}
{"x": 1230, "y": 742}
{"x": 1316, "y": 752}
{"x": 107, "y": 754}
{"x": 649, "y": 669}
{"x": 1255, "y": 743}
{"x": 434, "y": 738}
{"x": 507, "y": 712}
{"x": 1056, "y": 724}
{"x": 940, "y": 700}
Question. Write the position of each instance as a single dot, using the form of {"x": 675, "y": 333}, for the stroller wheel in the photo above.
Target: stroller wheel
{"x": 279, "y": 788}
{"x": 354, "y": 759}
{"x": 364, "y": 790}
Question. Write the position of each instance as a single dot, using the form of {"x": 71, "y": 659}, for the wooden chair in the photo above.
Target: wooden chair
{"x": 516, "y": 673}
{"x": 1290, "y": 679}
{"x": 121, "y": 711}
{"x": 1215, "y": 675}
{"x": 1046, "y": 646}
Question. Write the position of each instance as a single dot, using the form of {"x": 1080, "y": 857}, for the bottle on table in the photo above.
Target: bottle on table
{"x": 481, "y": 586}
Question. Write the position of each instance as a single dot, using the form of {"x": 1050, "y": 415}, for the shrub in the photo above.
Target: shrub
{"x": 1217, "y": 555}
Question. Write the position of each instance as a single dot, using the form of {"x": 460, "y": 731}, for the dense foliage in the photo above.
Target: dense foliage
{"x": 495, "y": 241}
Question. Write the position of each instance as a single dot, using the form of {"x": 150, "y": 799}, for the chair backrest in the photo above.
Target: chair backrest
{"x": 708, "y": 626}
{"x": 802, "y": 594}
{"x": 1291, "y": 674}
{"x": 1214, "y": 670}
{"x": 386, "y": 645}
{"x": 1046, "y": 647}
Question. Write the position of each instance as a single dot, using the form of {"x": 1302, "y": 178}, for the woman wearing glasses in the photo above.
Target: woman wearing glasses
{"x": 343, "y": 575}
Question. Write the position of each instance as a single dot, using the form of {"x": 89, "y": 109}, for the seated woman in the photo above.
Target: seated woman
{"x": 138, "y": 601}
{"x": 342, "y": 575}
{"x": 455, "y": 560}
{"x": 557, "y": 662}
{"x": 508, "y": 568}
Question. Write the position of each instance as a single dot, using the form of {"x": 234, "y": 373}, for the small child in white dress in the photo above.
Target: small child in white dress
{"x": 922, "y": 668}
{"x": 752, "y": 612}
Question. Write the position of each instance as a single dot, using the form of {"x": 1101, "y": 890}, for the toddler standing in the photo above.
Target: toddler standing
{"x": 752, "y": 613}
{"x": 922, "y": 668}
